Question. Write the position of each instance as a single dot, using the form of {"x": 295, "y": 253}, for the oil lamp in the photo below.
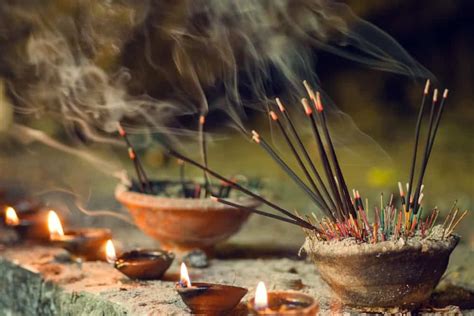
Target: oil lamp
{"x": 28, "y": 228}
{"x": 208, "y": 298}
{"x": 141, "y": 264}
{"x": 281, "y": 303}
{"x": 83, "y": 243}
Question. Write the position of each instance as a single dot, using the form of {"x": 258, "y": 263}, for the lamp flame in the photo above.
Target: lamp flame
{"x": 54, "y": 225}
{"x": 261, "y": 297}
{"x": 110, "y": 254}
{"x": 11, "y": 218}
{"x": 185, "y": 281}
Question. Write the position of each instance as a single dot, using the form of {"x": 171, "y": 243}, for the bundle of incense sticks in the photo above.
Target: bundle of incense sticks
{"x": 344, "y": 216}
{"x": 189, "y": 189}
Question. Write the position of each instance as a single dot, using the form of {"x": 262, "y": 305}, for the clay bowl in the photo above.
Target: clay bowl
{"x": 181, "y": 224}
{"x": 144, "y": 264}
{"x": 296, "y": 304}
{"x": 85, "y": 243}
{"x": 211, "y": 299}
{"x": 384, "y": 275}
{"x": 34, "y": 226}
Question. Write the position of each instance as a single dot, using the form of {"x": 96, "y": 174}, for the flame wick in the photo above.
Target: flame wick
{"x": 110, "y": 254}
{"x": 11, "y": 218}
{"x": 185, "y": 281}
{"x": 261, "y": 297}
{"x": 54, "y": 225}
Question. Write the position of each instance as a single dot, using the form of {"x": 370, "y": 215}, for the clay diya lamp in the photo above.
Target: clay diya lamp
{"x": 84, "y": 243}
{"x": 383, "y": 275}
{"x": 140, "y": 264}
{"x": 32, "y": 227}
{"x": 184, "y": 224}
{"x": 208, "y": 298}
{"x": 281, "y": 303}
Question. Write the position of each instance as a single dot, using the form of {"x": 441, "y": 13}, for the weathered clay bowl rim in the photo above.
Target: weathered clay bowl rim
{"x": 205, "y": 285}
{"x": 153, "y": 257}
{"x": 330, "y": 249}
{"x": 125, "y": 196}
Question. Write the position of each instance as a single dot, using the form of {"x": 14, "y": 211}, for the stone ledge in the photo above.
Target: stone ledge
{"x": 33, "y": 282}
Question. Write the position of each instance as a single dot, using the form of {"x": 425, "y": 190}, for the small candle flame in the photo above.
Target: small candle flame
{"x": 110, "y": 254}
{"x": 11, "y": 218}
{"x": 54, "y": 225}
{"x": 185, "y": 281}
{"x": 261, "y": 298}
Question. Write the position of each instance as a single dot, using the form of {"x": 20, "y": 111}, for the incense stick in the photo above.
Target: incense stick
{"x": 305, "y": 153}
{"x": 141, "y": 174}
{"x": 203, "y": 142}
{"x": 237, "y": 186}
{"x": 417, "y": 136}
{"x": 342, "y": 183}
{"x": 430, "y": 142}
{"x": 322, "y": 153}
{"x": 256, "y": 211}
{"x": 259, "y": 140}
{"x": 325, "y": 206}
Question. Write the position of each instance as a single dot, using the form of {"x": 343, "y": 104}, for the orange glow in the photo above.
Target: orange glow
{"x": 261, "y": 298}
{"x": 54, "y": 225}
{"x": 11, "y": 219}
{"x": 110, "y": 254}
{"x": 185, "y": 280}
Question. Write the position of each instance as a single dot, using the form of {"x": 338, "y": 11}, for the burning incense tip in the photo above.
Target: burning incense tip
{"x": 421, "y": 198}
{"x": 213, "y": 198}
{"x": 306, "y": 106}
{"x": 121, "y": 130}
{"x": 309, "y": 90}
{"x": 254, "y": 133}
{"x": 445, "y": 93}
{"x": 319, "y": 104}
{"x": 202, "y": 119}
{"x": 427, "y": 86}
{"x": 131, "y": 153}
{"x": 400, "y": 188}
{"x": 280, "y": 105}
{"x": 273, "y": 116}
{"x": 256, "y": 138}
{"x": 435, "y": 95}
